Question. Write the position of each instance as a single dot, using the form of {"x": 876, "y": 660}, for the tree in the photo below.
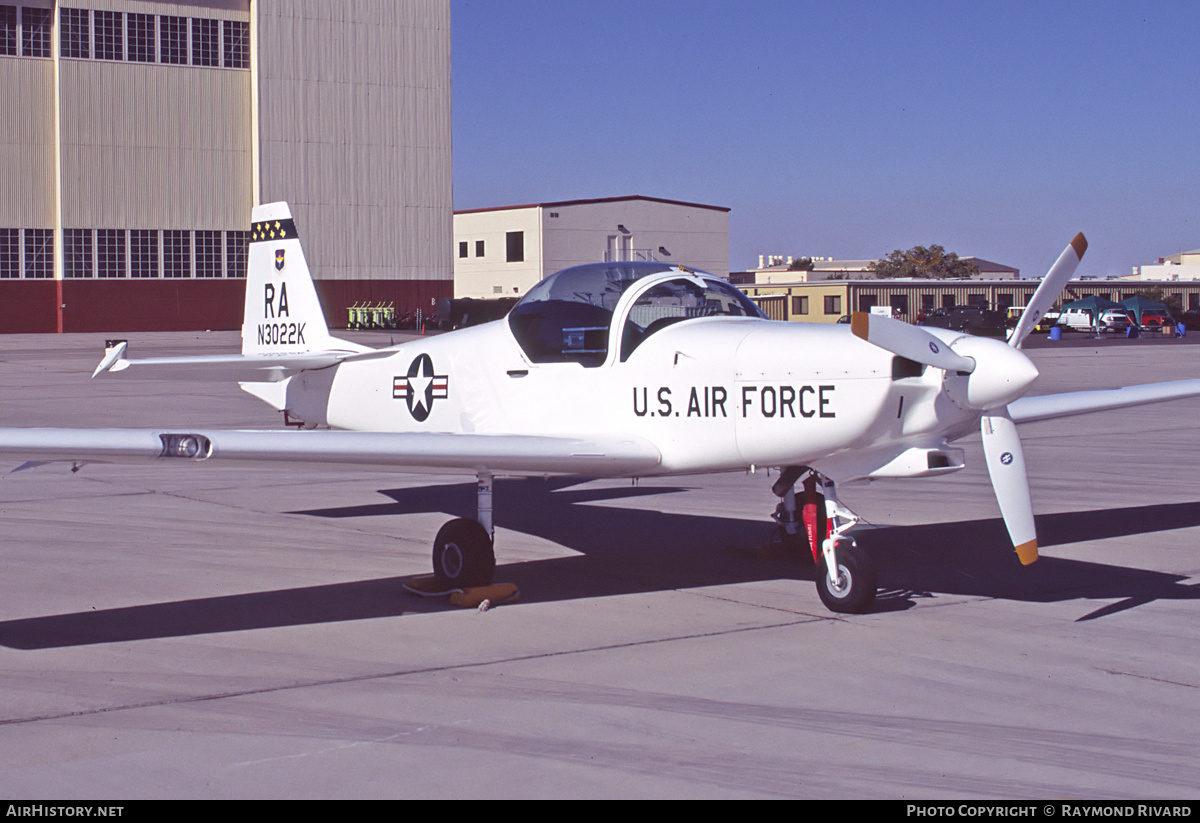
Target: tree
{"x": 921, "y": 261}
{"x": 801, "y": 264}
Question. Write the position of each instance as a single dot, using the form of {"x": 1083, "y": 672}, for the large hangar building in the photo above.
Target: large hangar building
{"x": 137, "y": 135}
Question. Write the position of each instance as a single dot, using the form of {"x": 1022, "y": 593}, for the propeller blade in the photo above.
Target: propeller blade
{"x": 1048, "y": 291}
{"x": 1006, "y": 465}
{"x": 908, "y": 341}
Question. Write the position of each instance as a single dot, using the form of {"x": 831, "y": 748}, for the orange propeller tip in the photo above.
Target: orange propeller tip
{"x": 859, "y": 323}
{"x": 1027, "y": 552}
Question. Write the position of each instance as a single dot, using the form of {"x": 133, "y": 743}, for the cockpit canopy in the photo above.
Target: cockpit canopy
{"x": 568, "y": 317}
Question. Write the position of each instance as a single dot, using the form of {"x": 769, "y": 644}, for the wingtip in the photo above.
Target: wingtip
{"x": 860, "y": 323}
{"x": 1027, "y": 553}
{"x": 1079, "y": 244}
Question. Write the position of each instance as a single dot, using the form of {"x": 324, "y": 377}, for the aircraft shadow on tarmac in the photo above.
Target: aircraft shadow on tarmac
{"x": 625, "y": 551}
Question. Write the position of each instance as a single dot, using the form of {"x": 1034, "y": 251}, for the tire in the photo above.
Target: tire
{"x": 462, "y": 555}
{"x": 858, "y": 582}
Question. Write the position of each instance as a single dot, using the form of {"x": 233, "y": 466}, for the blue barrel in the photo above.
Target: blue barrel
{"x": 1056, "y": 332}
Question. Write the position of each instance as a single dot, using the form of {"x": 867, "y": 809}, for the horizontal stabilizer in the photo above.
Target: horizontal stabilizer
{"x": 247, "y": 368}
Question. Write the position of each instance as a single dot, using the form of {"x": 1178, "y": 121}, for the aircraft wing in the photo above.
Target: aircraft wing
{"x": 590, "y": 456}
{"x": 1050, "y": 406}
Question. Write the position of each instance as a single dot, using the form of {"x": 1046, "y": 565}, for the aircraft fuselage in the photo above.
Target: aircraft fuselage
{"x": 713, "y": 394}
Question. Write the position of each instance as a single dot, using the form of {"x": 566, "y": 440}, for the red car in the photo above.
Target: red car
{"x": 1156, "y": 319}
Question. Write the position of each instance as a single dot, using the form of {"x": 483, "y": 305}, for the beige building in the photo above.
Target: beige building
{"x": 1182, "y": 266}
{"x": 826, "y": 301}
{"x": 775, "y": 268}
{"x": 139, "y": 134}
{"x": 505, "y": 251}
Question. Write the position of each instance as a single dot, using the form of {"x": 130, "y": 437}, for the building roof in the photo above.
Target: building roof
{"x": 988, "y": 265}
{"x": 596, "y": 200}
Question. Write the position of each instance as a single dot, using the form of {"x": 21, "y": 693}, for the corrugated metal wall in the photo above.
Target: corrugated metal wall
{"x": 27, "y": 144}
{"x": 354, "y": 117}
{"x": 153, "y": 146}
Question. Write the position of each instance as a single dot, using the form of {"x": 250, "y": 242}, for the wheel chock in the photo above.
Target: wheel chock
{"x": 427, "y": 586}
{"x": 469, "y": 598}
{"x": 494, "y": 595}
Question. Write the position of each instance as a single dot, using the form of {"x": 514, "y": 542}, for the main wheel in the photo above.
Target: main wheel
{"x": 854, "y": 590}
{"x": 463, "y": 555}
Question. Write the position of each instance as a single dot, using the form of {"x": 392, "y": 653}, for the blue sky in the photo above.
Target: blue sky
{"x": 847, "y": 129}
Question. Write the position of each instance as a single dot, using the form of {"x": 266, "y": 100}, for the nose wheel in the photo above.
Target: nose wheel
{"x": 852, "y": 589}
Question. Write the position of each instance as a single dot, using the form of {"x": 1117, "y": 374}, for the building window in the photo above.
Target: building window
{"x": 110, "y": 252}
{"x": 177, "y": 254}
{"x": 479, "y": 248}
{"x": 867, "y": 301}
{"x": 143, "y": 253}
{"x": 899, "y": 304}
{"x": 8, "y": 31}
{"x": 39, "y": 253}
{"x": 514, "y": 246}
{"x": 237, "y": 244}
{"x": 926, "y": 303}
{"x": 208, "y": 254}
{"x": 77, "y": 253}
{"x": 799, "y": 304}
{"x": 462, "y": 248}
{"x": 237, "y": 44}
{"x": 35, "y": 32}
{"x": 833, "y": 304}
{"x": 947, "y": 301}
{"x": 205, "y": 42}
{"x": 173, "y": 40}
{"x": 110, "y": 43}
{"x": 10, "y": 253}
{"x": 140, "y": 34}
{"x": 76, "y": 37}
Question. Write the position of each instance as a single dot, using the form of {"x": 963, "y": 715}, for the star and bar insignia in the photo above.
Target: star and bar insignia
{"x": 420, "y": 387}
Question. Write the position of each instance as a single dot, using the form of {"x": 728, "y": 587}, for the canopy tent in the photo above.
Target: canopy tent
{"x": 1138, "y": 304}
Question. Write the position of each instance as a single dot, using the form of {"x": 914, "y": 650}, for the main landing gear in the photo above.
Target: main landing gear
{"x": 821, "y": 522}
{"x": 463, "y": 556}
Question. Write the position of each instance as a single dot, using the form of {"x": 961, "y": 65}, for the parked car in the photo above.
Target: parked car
{"x": 1155, "y": 319}
{"x": 970, "y": 319}
{"x": 1077, "y": 319}
{"x": 1115, "y": 320}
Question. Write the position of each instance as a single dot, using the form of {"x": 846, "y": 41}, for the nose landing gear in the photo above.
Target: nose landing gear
{"x": 846, "y": 577}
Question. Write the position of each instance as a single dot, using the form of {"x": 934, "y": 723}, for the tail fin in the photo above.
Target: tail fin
{"x": 283, "y": 314}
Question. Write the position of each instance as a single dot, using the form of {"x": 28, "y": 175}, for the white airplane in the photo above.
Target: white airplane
{"x": 619, "y": 370}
